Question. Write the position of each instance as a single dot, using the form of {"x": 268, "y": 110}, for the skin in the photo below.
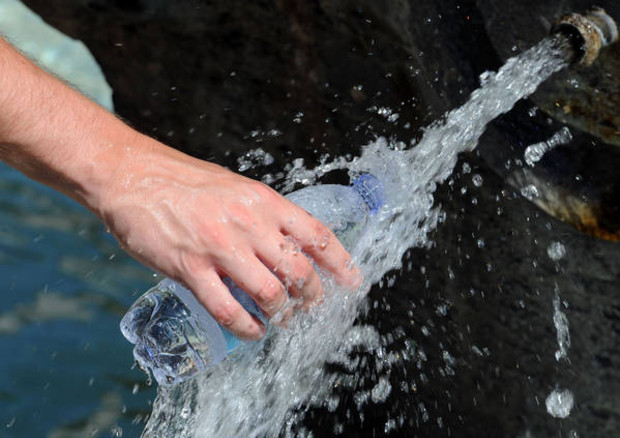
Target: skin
{"x": 191, "y": 220}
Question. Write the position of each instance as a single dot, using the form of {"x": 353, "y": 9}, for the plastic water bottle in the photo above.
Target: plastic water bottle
{"x": 174, "y": 335}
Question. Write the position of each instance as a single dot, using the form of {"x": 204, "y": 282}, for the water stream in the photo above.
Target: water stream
{"x": 265, "y": 389}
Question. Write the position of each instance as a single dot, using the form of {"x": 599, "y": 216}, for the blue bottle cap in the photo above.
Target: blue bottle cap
{"x": 371, "y": 190}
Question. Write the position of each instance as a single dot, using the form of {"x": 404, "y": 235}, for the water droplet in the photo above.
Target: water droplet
{"x": 185, "y": 412}
{"x": 256, "y": 157}
{"x": 556, "y": 251}
{"x": 486, "y": 77}
{"x": 298, "y": 117}
{"x": 424, "y": 412}
{"x": 529, "y": 192}
{"x": 322, "y": 244}
{"x": 393, "y": 118}
{"x": 390, "y": 425}
{"x": 381, "y": 391}
{"x": 350, "y": 264}
{"x": 535, "y": 152}
{"x": 332, "y": 403}
{"x": 448, "y": 358}
{"x": 560, "y": 321}
{"x": 559, "y": 403}
{"x": 273, "y": 133}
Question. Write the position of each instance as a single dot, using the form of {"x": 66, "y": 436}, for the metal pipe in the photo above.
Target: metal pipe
{"x": 587, "y": 33}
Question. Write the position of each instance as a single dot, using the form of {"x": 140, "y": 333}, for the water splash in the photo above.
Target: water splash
{"x": 264, "y": 389}
{"x": 252, "y": 158}
{"x": 534, "y": 153}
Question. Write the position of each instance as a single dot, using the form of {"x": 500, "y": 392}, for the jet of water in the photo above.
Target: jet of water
{"x": 264, "y": 389}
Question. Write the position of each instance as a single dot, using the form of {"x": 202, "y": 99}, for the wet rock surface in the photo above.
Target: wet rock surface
{"x": 469, "y": 326}
{"x": 477, "y": 309}
{"x": 203, "y": 76}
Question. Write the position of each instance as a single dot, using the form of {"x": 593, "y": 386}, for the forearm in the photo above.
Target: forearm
{"x": 56, "y": 135}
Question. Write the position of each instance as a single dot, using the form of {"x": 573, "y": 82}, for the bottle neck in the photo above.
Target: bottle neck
{"x": 371, "y": 191}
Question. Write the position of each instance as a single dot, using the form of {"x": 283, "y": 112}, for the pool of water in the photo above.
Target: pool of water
{"x": 65, "y": 369}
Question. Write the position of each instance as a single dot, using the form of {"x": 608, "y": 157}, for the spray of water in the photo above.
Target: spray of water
{"x": 534, "y": 153}
{"x": 262, "y": 391}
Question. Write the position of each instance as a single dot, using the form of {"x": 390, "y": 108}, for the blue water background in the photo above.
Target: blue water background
{"x": 66, "y": 370}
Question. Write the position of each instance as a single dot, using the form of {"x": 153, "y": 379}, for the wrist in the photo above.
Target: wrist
{"x": 115, "y": 153}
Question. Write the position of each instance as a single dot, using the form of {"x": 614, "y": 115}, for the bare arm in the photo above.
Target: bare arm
{"x": 189, "y": 219}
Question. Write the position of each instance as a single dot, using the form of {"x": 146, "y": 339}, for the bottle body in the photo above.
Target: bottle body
{"x": 176, "y": 338}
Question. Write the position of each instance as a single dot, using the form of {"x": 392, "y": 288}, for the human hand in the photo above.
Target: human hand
{"x": 197, "y": 222}
{"x": 193, "y": 221}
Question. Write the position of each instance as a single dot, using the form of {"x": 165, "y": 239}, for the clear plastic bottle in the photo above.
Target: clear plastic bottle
{"x": 176, "y": 338}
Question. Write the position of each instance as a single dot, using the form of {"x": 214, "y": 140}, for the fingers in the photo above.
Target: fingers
{"x": 278, "y": 262}
{"x": 259, "y": 283}
{"x": 323, "y": 246}
{"x": 294, "y": 269}
{"x": 212, "y": 293}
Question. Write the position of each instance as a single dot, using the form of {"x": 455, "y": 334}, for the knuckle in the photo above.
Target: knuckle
{"x": 228, "y": 256}
{"x": 264, "y": 191}
{"x": 304, "y": 270}
{"x": 323, "y": 235}
{"x": 239, "y": 213}
{"x": 227, "y": 313}
{"x": 187, "y": 265}
{"x": 316, "y": 226}
{"x": 270, "y": 293}
{"x": 209, "y": 235}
